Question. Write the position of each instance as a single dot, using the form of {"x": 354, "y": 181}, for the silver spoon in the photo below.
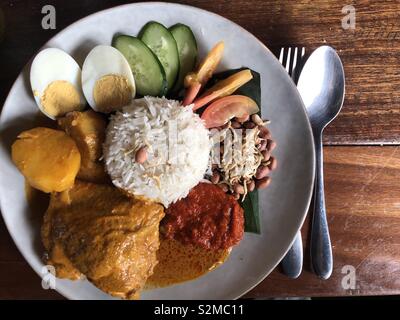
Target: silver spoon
{"x": 321, "y": 85}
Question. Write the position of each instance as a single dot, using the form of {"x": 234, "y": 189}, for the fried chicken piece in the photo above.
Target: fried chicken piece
{"x": 110, "y": 238}
{"x": 87, "y": 129}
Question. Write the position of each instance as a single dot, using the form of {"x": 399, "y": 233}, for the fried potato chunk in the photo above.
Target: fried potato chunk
{"x": 88, "y": 130}
{"x": 49, "y": 159}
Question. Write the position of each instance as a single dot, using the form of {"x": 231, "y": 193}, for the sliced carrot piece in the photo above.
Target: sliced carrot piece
{"x": 224, "y": 88}
{"x": 191, "y": 93}
{"x": 195, "y": 80}
{"x": 210, "y": 63}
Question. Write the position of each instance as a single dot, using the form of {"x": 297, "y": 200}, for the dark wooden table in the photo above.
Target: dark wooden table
{"x": 362, "y": 161}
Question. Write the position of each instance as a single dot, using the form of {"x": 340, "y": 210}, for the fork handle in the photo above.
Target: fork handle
{"x": 292, "y": 263}
{"x": 321, "y": 250}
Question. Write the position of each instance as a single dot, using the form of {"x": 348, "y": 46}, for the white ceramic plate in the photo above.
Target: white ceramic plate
{"x": 283, "y": 205}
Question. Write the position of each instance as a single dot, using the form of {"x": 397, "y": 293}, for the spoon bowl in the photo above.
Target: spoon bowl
{"x": 324, "y": 98}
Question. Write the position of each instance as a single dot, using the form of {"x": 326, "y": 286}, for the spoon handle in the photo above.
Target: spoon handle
{"x": 321, "y": 250}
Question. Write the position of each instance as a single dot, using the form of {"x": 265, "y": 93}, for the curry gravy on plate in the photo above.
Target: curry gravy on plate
{"x": 179, "y": 263}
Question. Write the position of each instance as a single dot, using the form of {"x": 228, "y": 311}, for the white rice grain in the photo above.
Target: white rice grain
{"x": 163, "y": 177}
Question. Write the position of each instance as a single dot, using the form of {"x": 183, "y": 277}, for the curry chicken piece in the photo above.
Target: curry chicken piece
{"x": 87, "y": 129}
{"x": 97, "y": 231}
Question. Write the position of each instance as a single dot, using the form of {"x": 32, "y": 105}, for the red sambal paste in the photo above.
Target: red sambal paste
{"x": 207, "y": 217}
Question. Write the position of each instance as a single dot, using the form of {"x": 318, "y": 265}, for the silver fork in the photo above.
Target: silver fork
{"x": 292, "y": 263}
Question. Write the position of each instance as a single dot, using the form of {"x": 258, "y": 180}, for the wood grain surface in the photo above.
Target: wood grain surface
{"x": 363, "y": 205}
{"x": 362, "y": 181}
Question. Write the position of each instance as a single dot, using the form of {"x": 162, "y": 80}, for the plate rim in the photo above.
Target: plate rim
{"x": 242, "y": 29}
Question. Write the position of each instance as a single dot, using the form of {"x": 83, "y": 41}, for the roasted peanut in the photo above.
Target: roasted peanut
{"x": 273, "y": 164}
{"x": 249, "y": 125}
{"x": 263, "y": 183}
{"x": 262, "y": 172}
{"x": 238, "y": 188}
{"x": 235, "y": 125}
{"x": 141, "y": 155}
{"x": 271, "y": 145}
{"x": 263, "y": 145}
{"x": 257, "y": 120}
{"x": 251, "y": 185}
{"x": 215, "y": 177}
{"x": 264, "y": 132}
{"x": 266, "y": 154}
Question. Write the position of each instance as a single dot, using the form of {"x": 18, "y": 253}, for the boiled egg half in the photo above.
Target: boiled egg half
{"x": 56, "y": 83}
{"x": 107, "y": 79}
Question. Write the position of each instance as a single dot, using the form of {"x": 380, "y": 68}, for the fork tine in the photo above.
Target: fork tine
{"x": 281, "y": 54}
{"x": 303, "y": 51}
{"x": 294, "y": 62}
{"x": 288, "y": 60}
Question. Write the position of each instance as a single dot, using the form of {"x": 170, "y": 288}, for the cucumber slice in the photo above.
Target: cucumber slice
{"x": 187, "y": 49}
{"x": 147, "y": 70}
{"x": 162, "y": 43}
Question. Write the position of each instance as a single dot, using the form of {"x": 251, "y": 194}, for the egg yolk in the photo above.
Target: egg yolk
{"x": 112, "y": 92}
{"x": 59, "y": 98}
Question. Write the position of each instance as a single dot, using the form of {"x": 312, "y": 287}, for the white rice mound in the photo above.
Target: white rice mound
{"x": 175, "y": 162}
